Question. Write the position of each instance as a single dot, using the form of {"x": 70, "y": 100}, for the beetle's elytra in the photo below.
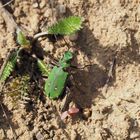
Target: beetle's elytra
{"x": 55, "y": 83}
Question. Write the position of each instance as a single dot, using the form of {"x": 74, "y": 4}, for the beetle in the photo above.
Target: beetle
{"x": 56, "y": 81}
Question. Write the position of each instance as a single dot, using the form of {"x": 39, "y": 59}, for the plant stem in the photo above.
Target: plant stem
{"x": 36, "y": 36}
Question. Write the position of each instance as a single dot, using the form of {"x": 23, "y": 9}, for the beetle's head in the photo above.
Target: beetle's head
{"x": 65, "y": 61}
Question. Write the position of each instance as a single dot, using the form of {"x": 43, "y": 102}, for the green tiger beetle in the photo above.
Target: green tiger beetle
{"x": 56, "y": 81}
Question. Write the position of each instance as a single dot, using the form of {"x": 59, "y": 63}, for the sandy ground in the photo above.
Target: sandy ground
{"x": 108, "y": 111}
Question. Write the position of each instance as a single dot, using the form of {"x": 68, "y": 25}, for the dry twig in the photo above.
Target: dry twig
{"x": 8, "y": 18}
{"x": 6, "y": 3}
{"x": 110, "y": 73}
{"x": 10, "y": 126}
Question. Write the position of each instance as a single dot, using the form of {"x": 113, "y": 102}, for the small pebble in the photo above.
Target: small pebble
{"x": 51, "y": 133}
{"x": 45, "y": 127}
{"x": 35, "y": 5}
{"x": 47, "y": 13}
{"x": 35, "y": 130}
{"x": 45, "y": 115}
{"x": 50, "y": 126}
{"x": 40, "y": 111}
{"x": 42, "y": 4}
{"x": 64, "y": 115}
{"x": 39, "y": 136}
{"x": 73, "y": 110}
{"x": 86, "y": 113}
{"x": 46, "y": 136}
{"x": 134, "y": 135}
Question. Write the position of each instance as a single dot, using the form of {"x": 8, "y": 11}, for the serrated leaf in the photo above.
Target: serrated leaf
{"x": 9, "y": 67}
{"x": 66, "y": 26}
{"x": 21, "y": 39}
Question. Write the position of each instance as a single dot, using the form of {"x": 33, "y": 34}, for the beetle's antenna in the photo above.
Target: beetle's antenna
{"x": 83, "y": 67}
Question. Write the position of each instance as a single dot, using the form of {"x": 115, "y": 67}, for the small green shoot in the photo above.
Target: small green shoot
{"x": 21, "y": 39}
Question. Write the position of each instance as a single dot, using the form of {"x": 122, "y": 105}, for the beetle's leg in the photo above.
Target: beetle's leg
{"x": 52, "y": 60}
{"x": 83, "y": 67}
{"x": 66, "y": 101}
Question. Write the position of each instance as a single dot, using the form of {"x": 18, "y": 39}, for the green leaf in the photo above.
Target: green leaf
{"x": 21, "y": 39}
{"x": 9, "y": 67}
{"x": 66, "y": 26}
{"x": 44, "y": 69}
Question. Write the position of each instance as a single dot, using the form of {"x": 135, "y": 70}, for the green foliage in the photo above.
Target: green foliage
{"x": 9, "y": 67}
{"x": 55, "y": 83}
{"x": 44, "y": 69}
{"x": 66, "y": 26}
{"x": 21, "y": 39}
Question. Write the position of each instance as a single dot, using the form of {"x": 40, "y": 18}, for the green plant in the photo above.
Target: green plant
{"x": 13, "y": 56}
{"x": 9, "y": 66}
{"x": 66, "y": 26}
{"x": 21, "y": 39}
